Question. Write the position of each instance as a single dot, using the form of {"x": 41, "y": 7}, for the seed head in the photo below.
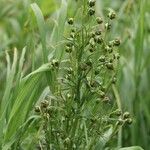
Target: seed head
{"x": 128, "y": 121}
{"x": 55, "y": 63}
{"x": 91, "y": 11}
{"x": 117, "y": 42}
{"x": 44, "y": 104}
{"x": 99, "y": 20}
{"x": 37, "y": 109}
{"x": 126, "y": 115}
{"x": 110, "y": 66}
{"x": 70, "y": 21}
{"x": 91, "y": 3}
{"x": 112, "y": 15}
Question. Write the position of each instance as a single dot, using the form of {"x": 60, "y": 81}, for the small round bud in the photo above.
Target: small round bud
{"x": 91, "y": 11}
{"x": 99, "y": 20}
{"x": 91, "y": 3}
{"x": 107, "y": 26}
{"x": 44, "y": 104}
{"x": 55, "y": 63}
{"x": 110, "y": 66}
{"x": 111, "y": 15}
{"x": 129, "y": 121}
{"x": 118, "y": 112}
{"x": 70, "y": 21}
{"x": 117, "y": 42}
{"x": 126, "y": 115}
{"x": 37, "y": 109}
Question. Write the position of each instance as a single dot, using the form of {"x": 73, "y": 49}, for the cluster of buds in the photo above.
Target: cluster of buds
{"x": 125, "y": 118}
{"x": 91, "y": 4}
{"x": 43, "y": 109}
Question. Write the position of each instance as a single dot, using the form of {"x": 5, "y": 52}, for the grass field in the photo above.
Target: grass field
{"x": 74, "y": 75}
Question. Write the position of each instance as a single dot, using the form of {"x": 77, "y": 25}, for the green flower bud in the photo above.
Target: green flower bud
{"x": 91, "y": 11}
{"x": 128, "y": 121}
{"x": 111, "y": 15}
{"x": 70, "y": 21}
{"x": 91, "y": 3}
{"x": 99, "y": 20}
{"x": 55, "y": 63}
{"x": 44, "y": 104}
{"x": 37, "y": 109}
{"x": 117, "y": 42}
{"x": 126, "y": 115}
{"x": 110, "y": 66}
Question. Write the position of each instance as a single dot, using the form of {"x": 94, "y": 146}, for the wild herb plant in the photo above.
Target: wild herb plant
{"x": 80, "y": 112}
{"x": 77, "y": 105}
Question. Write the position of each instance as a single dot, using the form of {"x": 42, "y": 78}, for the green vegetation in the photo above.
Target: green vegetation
{"x": 74, "y": 74}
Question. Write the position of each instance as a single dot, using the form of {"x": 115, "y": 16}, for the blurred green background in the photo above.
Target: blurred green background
{"x": 18, "y": 29}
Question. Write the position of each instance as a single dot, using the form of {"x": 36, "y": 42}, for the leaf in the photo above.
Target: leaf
{"x": 104, "y": 138}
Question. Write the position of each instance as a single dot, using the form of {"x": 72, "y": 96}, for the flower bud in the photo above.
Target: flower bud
{"x": 110, "y": 66}
{"x": 70, "y": 21}
{"x": 117, "y": 42}
{"x": 99, "y": 20}
{"x": 91, "y": 11}
{"x": 37, "y": 109}
{"x": 91, "y": 3}
{"x": 44, "y": 104}
{"x": 111, "y": 15}
{"x": 126, "y": 115}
